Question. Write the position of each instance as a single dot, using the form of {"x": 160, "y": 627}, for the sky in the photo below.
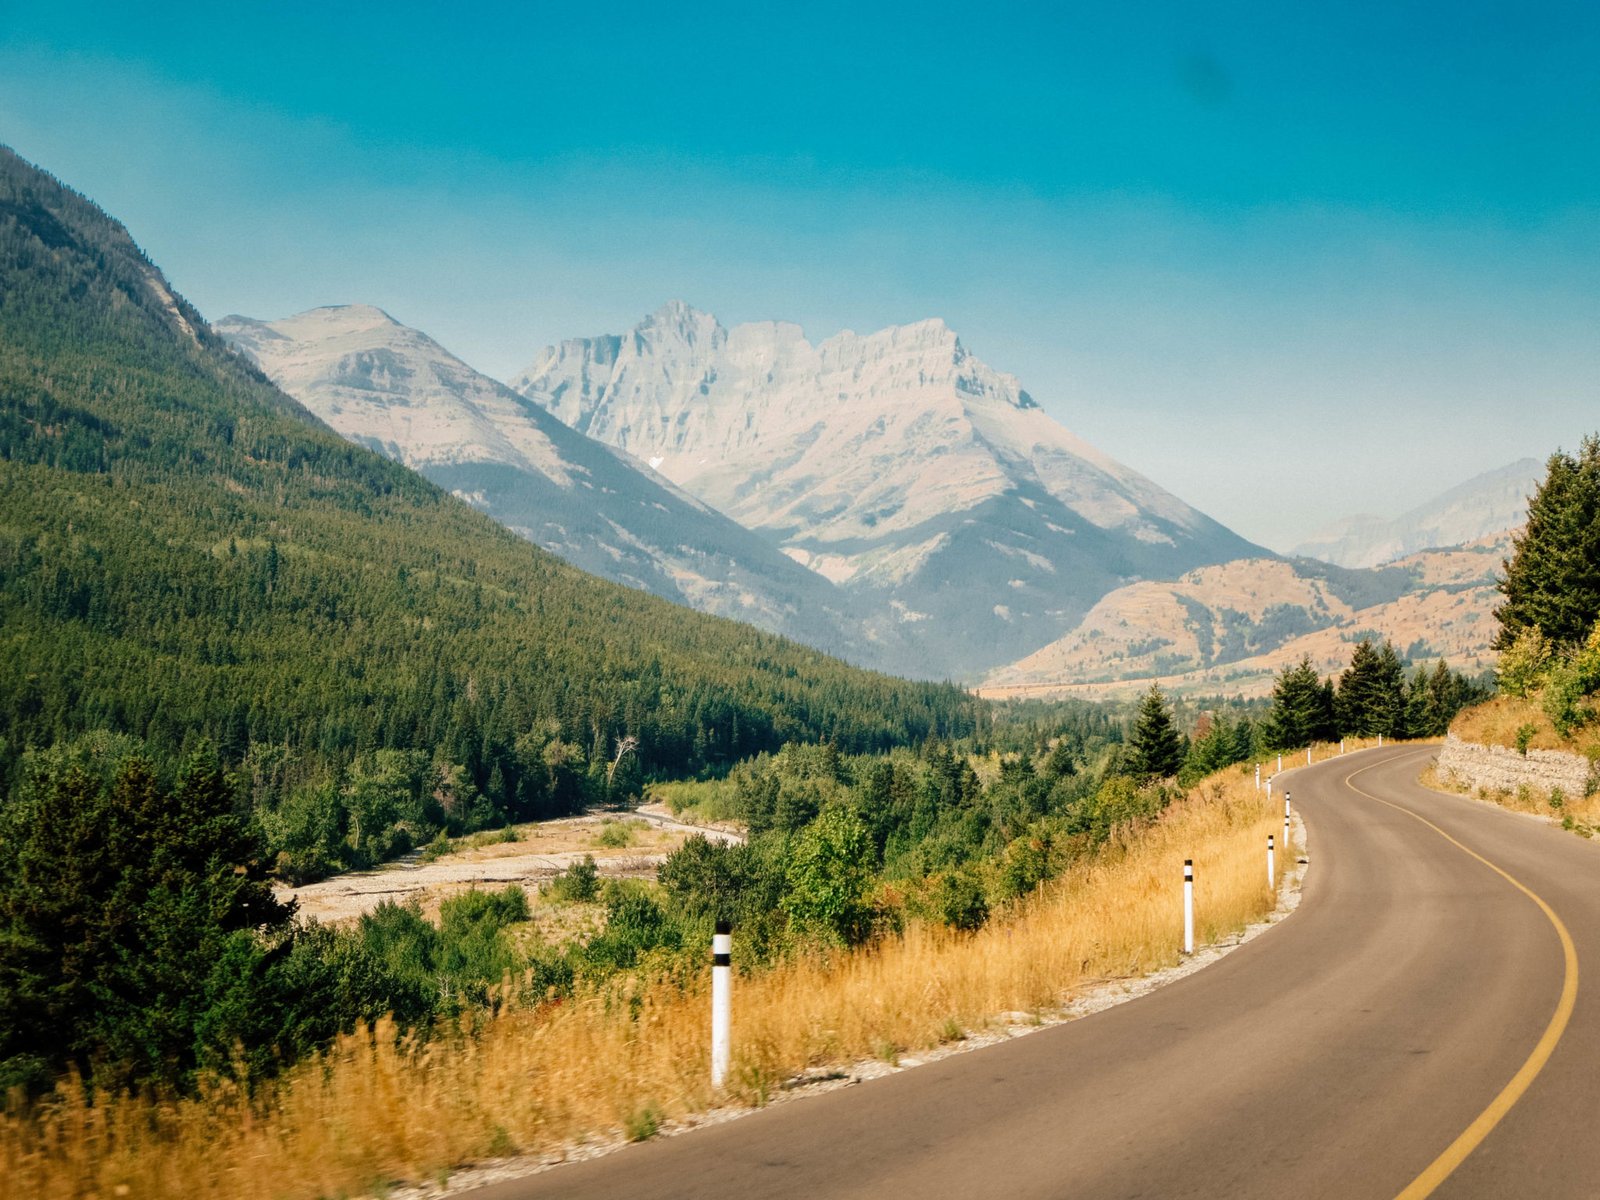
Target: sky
{"x": 1291, "y": 262}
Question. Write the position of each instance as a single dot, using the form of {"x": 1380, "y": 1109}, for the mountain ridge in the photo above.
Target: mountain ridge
{"x": 1229, "y": 629}
{"x": 895, "y": 463}
{"x": 396, "y": 390}
{"x": 193, "y": 558}
{"x": 1486, "y": 504}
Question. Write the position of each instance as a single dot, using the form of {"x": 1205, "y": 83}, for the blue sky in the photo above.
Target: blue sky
{"x": 1291, "y": 264}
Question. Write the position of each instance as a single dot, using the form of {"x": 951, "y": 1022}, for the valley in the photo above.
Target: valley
{"x": 958, "y": 602}
{"x": 891, "y": 499}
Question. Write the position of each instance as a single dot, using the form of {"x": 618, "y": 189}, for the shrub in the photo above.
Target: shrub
{"x": 1524, "y": 664}
{"x": 614, "y": 835}
{"x": 580, "y": 882}
{"x": 828, "y": 877}
{"x": 959, "y": 901}
{"x": 635, "y": 924}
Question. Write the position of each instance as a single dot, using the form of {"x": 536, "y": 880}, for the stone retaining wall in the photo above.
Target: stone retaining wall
{"x": 1500, "y": 768}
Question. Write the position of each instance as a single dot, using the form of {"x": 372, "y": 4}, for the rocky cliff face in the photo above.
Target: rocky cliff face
{"x": 396, "y": 390}
{"x": 896, "y": 464}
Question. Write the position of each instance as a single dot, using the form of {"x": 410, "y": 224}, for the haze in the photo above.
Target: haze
{"x": 1291, "y": 268}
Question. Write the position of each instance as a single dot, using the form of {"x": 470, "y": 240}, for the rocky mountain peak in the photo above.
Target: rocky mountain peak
{"x": 393, "y": 388}
{"x": 879, "y": 461}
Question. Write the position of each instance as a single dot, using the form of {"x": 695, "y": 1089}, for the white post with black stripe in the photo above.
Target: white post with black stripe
{"x": 1188, "y": 906}
{"x": 721, "y": 1000}
{"x": 1286, "y": 820}
{"x": 1258, "y": 777}
{"x": 1272, "y": 875}
{"x": 1280, "y": 764}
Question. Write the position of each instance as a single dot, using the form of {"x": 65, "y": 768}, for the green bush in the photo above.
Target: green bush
{"x": 580, "y": 882}
{"x": 635, "y": 925}
{"x": 615, "y": 834}
{"x": 1524, "y": 664}
{"x": 829, "y": 873}
{"x": 1569, "y": 684}
{"x": 958, "y": 900}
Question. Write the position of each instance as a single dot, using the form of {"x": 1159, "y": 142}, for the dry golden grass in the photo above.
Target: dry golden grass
{"x": 368, "y": 1113}
{"x": 1496, "y": 723}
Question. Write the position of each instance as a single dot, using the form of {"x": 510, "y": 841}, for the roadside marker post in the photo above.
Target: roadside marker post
{"x": 1286, "y": 820}
{"x": 1280, "y": 764}
{"x": 1258, "y": 777}
{"x": 1188, "y": 906}
{"x": 1269, "y": 791}
{"x": 721, "y": 1000}
{"x": 1380, "y": 741}
{"x": 1308, "y": 756}
{"x": 1272, "y": 877}
{"x": 1341, "y": 745}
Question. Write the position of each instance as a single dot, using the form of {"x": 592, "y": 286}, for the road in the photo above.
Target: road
{"x": 1390, "y": 1020}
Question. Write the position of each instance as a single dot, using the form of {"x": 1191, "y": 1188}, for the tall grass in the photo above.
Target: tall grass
{"x": 370, "y": 1111}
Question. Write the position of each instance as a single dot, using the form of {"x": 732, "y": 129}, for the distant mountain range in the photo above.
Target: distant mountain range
{"x": 1484, "y": 505}
{"x": 1230, "y": 629}
{"x": 929, "y": 486}
{"x": 393, "y": 389}
{"x": 889, "y": 498}
{"x": 1424, "y": 580}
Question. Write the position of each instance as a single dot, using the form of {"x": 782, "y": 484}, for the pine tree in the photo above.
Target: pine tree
{"x": 1301, "y": 710}
{"x": 1371, "y": 696}
{"x": 1552, "y": 580}
{"x": 1156, "y": 749}
{"x": 1420, "y": 713}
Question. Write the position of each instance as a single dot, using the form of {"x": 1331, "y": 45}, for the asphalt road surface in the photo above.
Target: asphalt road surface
{"x": 1416, "y": 1028}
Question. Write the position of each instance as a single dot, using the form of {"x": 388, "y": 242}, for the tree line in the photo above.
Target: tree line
{"x": 1373, "y": 696}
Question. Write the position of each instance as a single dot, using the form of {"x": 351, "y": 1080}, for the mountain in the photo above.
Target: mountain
{"x": 897, "y": 465}
{"x": 189, "y": 556}
{"x": 1487, "y": 504}
{"x": 1230, "y": 629}
{"x": 398, "y": 392}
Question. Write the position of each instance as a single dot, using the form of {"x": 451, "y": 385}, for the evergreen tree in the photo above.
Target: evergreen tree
{"x": 118, "y": 895}
{"x": 1552, "y": 580}
{"x": 1155, "y": 749}
{"x": 1418, "y": 713}
{"x": 1371, "y": 697}
{"x": 1301, "y": 711}
{"x": 1218, "y": 746}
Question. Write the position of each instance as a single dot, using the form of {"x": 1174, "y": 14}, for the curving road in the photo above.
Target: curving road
{"x": 1417, "y": 1028}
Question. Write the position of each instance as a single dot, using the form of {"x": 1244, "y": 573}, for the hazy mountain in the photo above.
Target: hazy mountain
{"x": 1487, "y": 504}
{"x": 397, "y": 391}
{"x": 1230, "y": 628}
{"x": 192, "y": 558}
{"x": 895, "y": 464}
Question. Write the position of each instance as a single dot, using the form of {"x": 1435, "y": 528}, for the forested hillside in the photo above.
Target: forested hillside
{"x": 188, "y": 557}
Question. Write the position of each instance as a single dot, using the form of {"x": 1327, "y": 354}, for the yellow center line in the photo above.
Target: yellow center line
{"x": 1456, "y": 1152}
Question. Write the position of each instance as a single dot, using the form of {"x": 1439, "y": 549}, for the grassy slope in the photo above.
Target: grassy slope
{"x": 370, "y": 1114}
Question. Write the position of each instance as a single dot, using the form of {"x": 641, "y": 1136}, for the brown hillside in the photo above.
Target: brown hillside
{"x": 1231, "y": 628}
